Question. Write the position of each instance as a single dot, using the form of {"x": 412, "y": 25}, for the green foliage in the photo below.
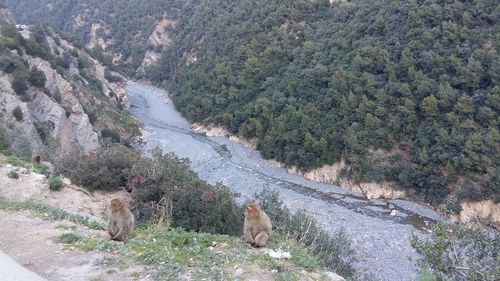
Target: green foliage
{"x": 55, "y": 183}
{"x": 109, "y": 133}
{"x": 108, "y": 168}
{"x": 37, "y": 78}
{"x": 110, "y": 77}
{"x": 13, "y": 175}
{"x": 68, "y": 238}
{"x": 20, "y": 84}
{"x": 195, "y": 204}
{"x": 334, "y": 251}
{"x": 316, "y": 82}
{"x": 454, "y": 252}
{"x": 41, "y": 169}
{"x": 17, "y": 112}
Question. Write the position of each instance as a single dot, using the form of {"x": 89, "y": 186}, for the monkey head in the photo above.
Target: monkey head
{"x": 116, "y": 205}
{"x": 252, "y": 210}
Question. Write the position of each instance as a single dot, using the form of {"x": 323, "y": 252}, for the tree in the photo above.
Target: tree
{"x": 37, "y": 78}
{"x": 429, "y": 107}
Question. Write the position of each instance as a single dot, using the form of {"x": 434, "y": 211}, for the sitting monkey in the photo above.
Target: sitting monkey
{"x": 257, "y": 227}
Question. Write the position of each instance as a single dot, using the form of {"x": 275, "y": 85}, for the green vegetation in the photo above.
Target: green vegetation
{"x": 129, "y": 28}
{"x": 37, "y": 78}
{"x": 68, "y": 238}
{"x": 13, "y": 175}
{"x": 173, "y": 252}
{"x": 48, "y": 212}
{"x": 454, "y": 252}
{"x": 192, "y": 203}
{"x": 334, "y": 250}
{"x": 317, "y": 83}
{"x": 17, "y": 112}
{"x": 55, "y": 183}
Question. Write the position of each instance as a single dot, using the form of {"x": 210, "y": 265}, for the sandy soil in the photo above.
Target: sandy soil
{"x": 31, "y": 240}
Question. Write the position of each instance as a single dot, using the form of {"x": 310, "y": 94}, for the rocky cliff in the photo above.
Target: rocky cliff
{"x": 52, "y": 93}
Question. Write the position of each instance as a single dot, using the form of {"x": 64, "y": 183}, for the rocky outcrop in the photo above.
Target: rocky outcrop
{"x": 160, "y": 36}
{"x": 486, "y": 211}
{"x": 70, "y": 123}
{"x": 6, "y": 16}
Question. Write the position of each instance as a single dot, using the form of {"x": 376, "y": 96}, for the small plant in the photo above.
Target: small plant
{"x": 13, "y": 175}
{"x": 17, "y": 112}
{"x": 68, "y": 238}
{"x": 55, "y": 183}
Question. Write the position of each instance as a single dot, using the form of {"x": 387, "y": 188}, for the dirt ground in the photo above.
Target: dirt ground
{"x": 31, "y": 240}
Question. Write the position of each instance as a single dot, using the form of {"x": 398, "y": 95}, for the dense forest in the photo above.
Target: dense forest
{"x": 316, "y": 82}
{"x": 124, "y": 25}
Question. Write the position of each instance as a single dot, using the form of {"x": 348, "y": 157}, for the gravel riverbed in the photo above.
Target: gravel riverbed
{"x": 381, "y": 240}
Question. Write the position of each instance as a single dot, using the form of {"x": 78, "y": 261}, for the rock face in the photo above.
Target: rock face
{"x": 6, "y": 16}
{"x": 62, "y": 109}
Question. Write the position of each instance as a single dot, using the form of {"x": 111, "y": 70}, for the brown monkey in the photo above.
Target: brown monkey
{"x": 121, "y": 221}
{"x": 257, "y": 227}
{"x": 36, "y": 159}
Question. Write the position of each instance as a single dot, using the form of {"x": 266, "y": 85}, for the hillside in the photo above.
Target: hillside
{"x": 126, "y": 33}
{"x": 399, "y": 93}
{"x": 61, "y": 235}
{"x": 57, "y": 96}
{"x": 402, "y": 91}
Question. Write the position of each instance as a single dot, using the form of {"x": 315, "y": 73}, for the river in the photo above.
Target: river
{"x": 380, "y": 240}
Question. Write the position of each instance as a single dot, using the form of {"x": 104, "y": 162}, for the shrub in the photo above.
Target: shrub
{"x": 107, "y": 168}
{"x": 195, "y": 205}
{"x": 55, "y": 183}
{"x": 20, "y": 85}
{"x": 454, "y": 252}
{"x": 110, "y": 77}
{"x": 37, "y": 78}
{"x": 333, "y": 250}
{"x": 17, "y": 112}
{"x": 13, "y": 175}
{"x": 109, "y": 133}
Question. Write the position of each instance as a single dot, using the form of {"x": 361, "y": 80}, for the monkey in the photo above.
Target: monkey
{"x": 36, "y": 159}
{"x": 257, "y": 226}
{"x": 134, "y": 183}
{"x": 121, "y": 221}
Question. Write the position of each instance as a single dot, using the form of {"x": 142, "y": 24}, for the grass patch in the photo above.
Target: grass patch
{"x": 17, "y": 162}
{"x": 174, "y": 252}
{"x": 55, "y": 183}
{"x": 48, "y": 212}
{"x": 41, "y": 169}
{"x": 13, "y": 175}
{"x": 68, "y": 238}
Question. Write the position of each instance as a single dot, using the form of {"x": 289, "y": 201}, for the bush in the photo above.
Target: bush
{"x": 454, "y": 252}
{"x": 109, "y": 133}
{"x": 55, "y": 183}
{"x": 107, "y": 168}
{"x": 20, "y": 85}
{"x": 37, "y": 78}
{"x": 17, "y": 112}
{"x": 195, "y": 204}
{"x": 333, "y": 250}
{"x": 13, "y": 175}
{"x": 110, "y": 77}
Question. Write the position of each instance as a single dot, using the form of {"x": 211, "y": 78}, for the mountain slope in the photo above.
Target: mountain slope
{"x": 402, "y": 91}
{"x": 54, "y": 95}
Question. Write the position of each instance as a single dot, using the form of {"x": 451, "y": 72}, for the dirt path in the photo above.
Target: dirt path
{"x": 31, "y": 241}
